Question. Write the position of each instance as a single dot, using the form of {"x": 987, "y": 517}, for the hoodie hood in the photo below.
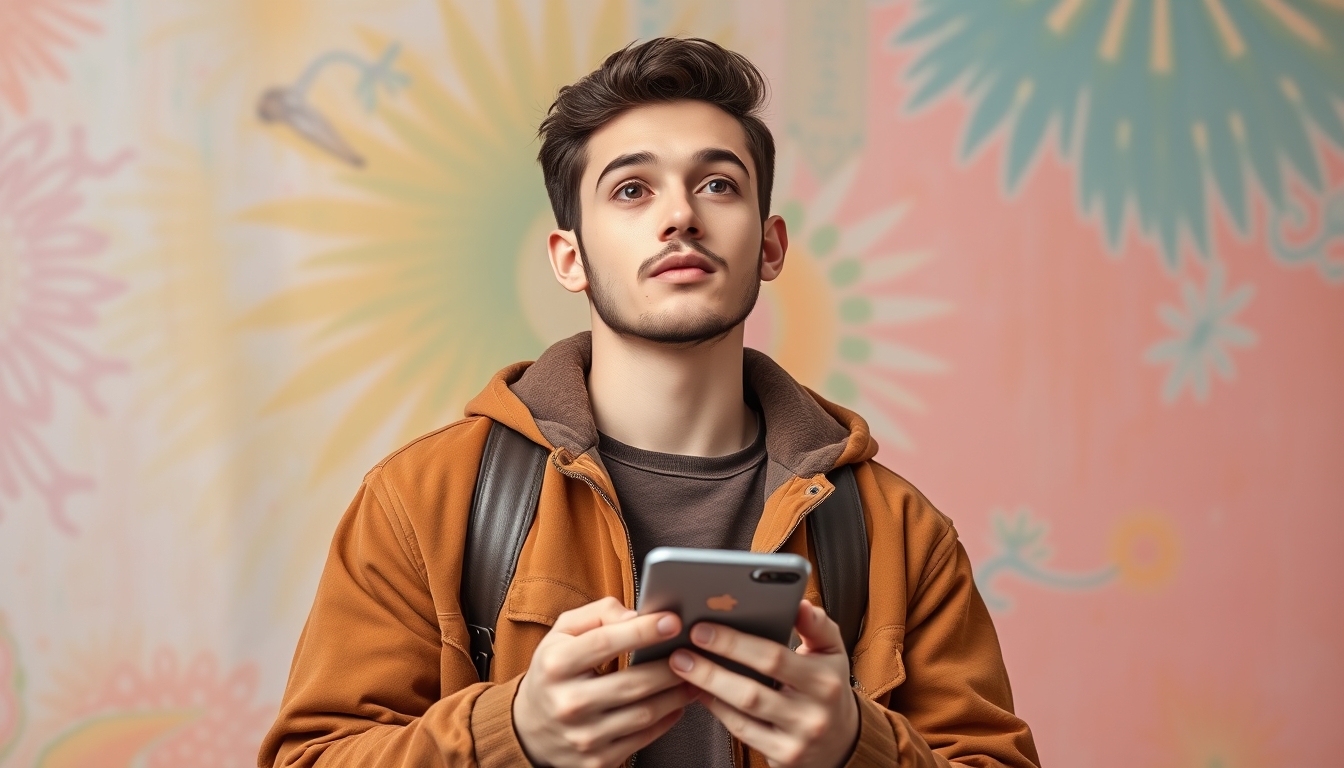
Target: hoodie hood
{"x": 805, "y": 434}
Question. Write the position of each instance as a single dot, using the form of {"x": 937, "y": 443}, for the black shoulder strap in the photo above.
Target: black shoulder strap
{"x": 508, "y": 486}
{"x": 840, "y": 540}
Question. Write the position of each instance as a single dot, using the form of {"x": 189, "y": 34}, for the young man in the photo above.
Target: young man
{"x": 661, "y": 430}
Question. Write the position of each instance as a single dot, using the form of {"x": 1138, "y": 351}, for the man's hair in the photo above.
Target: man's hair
{"x": 661, "y": 70}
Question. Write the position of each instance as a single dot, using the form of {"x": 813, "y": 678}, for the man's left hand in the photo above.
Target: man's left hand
{"x": 811, "y": 721}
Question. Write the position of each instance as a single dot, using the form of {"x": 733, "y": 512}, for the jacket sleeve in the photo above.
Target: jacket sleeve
{"x": 955, "y": 705}
{"x": 372, "y": 681}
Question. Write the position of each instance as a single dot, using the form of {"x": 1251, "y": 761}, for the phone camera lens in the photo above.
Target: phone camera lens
{"x": 774, "y": 577}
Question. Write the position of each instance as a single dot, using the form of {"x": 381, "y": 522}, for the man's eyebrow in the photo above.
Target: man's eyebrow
{"x": 704, "y": 157}
{"x": 720, "y": 155}
{"x": 625, "y": 161}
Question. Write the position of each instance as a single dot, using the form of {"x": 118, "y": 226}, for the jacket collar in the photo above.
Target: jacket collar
{"x": 805, "y": 435}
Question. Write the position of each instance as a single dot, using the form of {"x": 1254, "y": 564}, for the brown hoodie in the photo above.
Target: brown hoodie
{"x": 383, "y": 677}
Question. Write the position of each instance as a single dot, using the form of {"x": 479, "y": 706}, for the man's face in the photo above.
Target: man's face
{"x": 671, "y": 234}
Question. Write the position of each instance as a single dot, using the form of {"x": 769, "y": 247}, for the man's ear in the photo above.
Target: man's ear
{"x": 774, "y": 243}
{"x": 563, "y": 247}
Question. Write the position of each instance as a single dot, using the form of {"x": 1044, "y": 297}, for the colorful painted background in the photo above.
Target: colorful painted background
{"x": 1079, "y": 262}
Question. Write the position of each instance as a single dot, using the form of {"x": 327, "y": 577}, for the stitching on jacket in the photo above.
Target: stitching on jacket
{"x": 447, "y": 638}
{"x": 538, "y": 618}
{"x": 410, "y": 546}
{"x": 897, "y": 628}
{"x": 548, "y": 580}
{"x": 408, "y": 535}
{"x": 422, "y": 438}
{"x": 868, "y": 646}
{"x": 933, "y": 565}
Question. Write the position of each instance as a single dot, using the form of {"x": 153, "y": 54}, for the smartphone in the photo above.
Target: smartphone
{"x": 749, "y": 591}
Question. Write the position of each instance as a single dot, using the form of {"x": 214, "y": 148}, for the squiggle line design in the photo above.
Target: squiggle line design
{"x": 289, "y": 104}
{"x": 1317, "y": 251}
{"x": 1023, "y": 551}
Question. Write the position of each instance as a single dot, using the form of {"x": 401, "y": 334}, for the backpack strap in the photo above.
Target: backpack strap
{"x": 840, "y": 540}
{"x": 508, "y": 486}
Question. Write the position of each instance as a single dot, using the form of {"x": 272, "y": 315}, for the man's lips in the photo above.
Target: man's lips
{"x": 682, "y": 265}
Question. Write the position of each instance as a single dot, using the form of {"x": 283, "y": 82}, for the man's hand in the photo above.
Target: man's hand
{"x": 811, "y": 721}
{"x": 565, "y": 714}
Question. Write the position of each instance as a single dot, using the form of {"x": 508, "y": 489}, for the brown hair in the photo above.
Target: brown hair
{"x": 661, "y": 70}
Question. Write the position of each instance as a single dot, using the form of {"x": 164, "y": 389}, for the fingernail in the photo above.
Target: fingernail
{"x": 667, "y": 626}
{"x": 702, "y": 634}
{"x": 682, "y": 661}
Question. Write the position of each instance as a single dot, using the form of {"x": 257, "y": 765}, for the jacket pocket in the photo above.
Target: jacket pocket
{"x": 878, "y": 666}
{"x": 541, "y": 600}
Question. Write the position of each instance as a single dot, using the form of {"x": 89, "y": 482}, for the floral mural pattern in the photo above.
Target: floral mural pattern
{"x": 50, "y": 296}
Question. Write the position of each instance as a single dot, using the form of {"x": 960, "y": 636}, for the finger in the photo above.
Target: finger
{"x": 598, "y": 646}
{"x": 629, "y": 685}
{"x": 819, "y": 633}
{"x": 765, "y": 656}
{"x": 586, "y": 618}
{"x": 620, "y": 722}
{"x": 741, "y": 692}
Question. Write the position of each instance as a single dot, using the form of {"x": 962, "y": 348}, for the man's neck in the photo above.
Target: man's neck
{"x": 670, "y": 399}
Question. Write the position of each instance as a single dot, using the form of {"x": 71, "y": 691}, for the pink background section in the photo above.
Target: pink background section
{"x": 1050, "y": 405}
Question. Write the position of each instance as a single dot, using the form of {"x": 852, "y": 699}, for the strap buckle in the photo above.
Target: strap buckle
{"x": 482, "y": 649}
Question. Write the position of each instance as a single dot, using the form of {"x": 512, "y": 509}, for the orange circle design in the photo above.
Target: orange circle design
{"x": 1146, "y": 549}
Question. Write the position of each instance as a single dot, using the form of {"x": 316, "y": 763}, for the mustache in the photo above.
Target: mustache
{"x": 677, "y": 246}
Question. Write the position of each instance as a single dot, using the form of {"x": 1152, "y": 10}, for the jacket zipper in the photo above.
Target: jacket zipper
{"x": 742, "y": 747}
{"x": 629, "y": 546}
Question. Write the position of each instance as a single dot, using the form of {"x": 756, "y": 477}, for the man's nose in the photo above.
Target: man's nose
{"x": 681, "y": 219}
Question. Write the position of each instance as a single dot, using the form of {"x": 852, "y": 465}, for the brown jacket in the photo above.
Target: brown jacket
{"x": 382, "y": 675}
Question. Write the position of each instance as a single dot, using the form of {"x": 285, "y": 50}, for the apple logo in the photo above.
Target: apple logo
{"x": 724, "y": 602}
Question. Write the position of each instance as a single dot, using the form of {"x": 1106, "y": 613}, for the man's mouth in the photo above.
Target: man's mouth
{"x": 682, "y": 267}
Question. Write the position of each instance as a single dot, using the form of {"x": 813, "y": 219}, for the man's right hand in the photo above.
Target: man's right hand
{"x": 565, "y": 714}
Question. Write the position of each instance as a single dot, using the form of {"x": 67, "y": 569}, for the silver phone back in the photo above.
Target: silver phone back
{"x": 717, "y": 585}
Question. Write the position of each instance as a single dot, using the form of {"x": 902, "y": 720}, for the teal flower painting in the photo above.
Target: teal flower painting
{"x": 1168, "y": 109}
{"x": 1204, "y": 336}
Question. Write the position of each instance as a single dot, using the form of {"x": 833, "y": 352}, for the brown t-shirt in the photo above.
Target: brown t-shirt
{"x": 688, "y": 501}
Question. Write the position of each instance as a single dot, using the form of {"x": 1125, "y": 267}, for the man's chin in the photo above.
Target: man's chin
{"x": 676, "y": 334}
{"x": 688, "y": 322}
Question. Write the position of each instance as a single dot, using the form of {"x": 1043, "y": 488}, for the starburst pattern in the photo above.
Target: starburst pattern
{"x": 1154, "y": 101}
{"x": 31, "y": 32}
{"x": 49, "y": 300}
{"x": 836, "y": 318}
{"x": 420, "y": 302}
{"x": 1205, "y": 334}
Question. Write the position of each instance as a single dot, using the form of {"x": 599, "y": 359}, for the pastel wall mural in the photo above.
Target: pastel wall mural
{"x": 1080, "y": 263}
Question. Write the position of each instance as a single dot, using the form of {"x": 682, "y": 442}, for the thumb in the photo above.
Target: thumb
{"x": 819, "y": 634}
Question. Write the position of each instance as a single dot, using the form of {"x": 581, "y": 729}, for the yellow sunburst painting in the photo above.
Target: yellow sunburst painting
{"x": 435, "y": 276}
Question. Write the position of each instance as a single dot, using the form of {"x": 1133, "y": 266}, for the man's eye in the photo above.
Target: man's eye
{"x": 630, "y": 192}
{"x": 718, "y": 186}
